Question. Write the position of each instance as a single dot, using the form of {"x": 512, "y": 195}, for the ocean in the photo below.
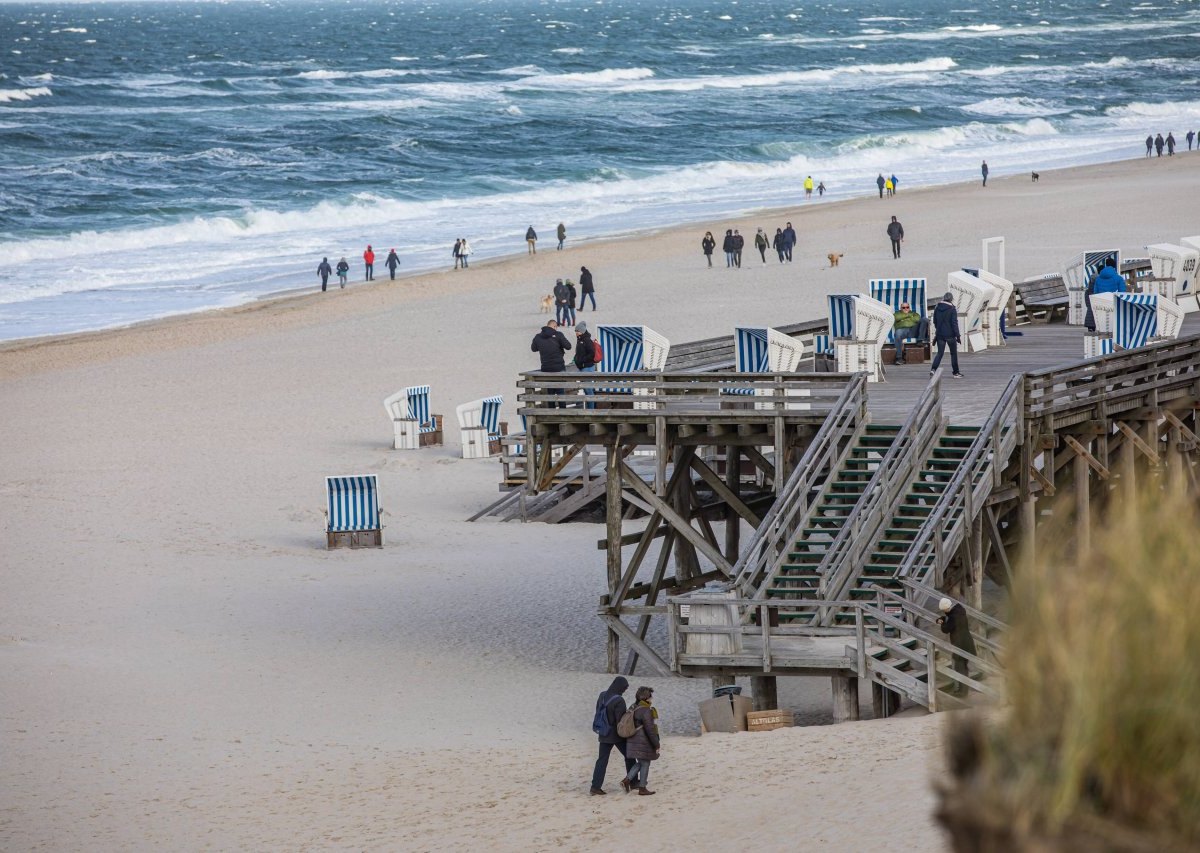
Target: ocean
{"x": 164, "y": 157}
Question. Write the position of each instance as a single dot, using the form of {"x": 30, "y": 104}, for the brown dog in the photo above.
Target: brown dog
{"x": 834, "y": 257}
{"x": 547, "y": 304}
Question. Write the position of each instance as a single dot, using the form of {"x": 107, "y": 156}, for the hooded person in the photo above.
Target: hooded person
{"x": 1106, "y": 280}
{"x": 561, "y": 294}
{"x": 587, "y": 288}
{"x": 324, "y": 271}
{"x": 550, "y": 344}
{"x": 946, "y": 333}
{"x": 643, "y": 747}
{"x": 610, "y": 707}
{"x": 393, "y": 261}
{"x": 953, "y": 621}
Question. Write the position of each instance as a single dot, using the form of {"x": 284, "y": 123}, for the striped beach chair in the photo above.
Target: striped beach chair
{"x": 841, "y": 323}
{"x": 352, "y": 512}
{"x": 413, "y": 424}
{"x": 760, "y": 349}
{"x": 997, "y": 307}
{"x": 479, "y": 423}
{"x": 630, "y": 349}
{"x": 1177, "y": 264}
{"x": 971, "y": 298}
{"x": 1078, "y": 272}
{"x": 895, "y": 292}
{"x": 859, "y": 326}
{"x": 1131, "y": 320}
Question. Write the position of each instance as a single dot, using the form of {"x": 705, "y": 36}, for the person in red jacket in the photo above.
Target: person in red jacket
{"x": 369, "y": 262}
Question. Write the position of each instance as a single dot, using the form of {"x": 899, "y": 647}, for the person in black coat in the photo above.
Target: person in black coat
{"x": 707, "y": 245}
{"x": 393, "y": 261}
{"x": 586, "y": 288}
{"x": 789, "y": 241}
{"x": 727, "y": 247}
{"x": 945, "y": 332}
{"x": 613, "y": 702}
{"x": 1158, "y": 144}
{"x": 954, "y": 623}
{"x": 739, "y": 243}
{"x": 895, "y": 232}
{"x": 550, "y": 344}
{"x": 561, "y": 295}
{"x": 780, "y": 244}
{"x": 324, "y": 270}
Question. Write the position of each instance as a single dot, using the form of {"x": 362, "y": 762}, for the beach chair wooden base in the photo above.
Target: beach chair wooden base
{"x": 353, "y": 539}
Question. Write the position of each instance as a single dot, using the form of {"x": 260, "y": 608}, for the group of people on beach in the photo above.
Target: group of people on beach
{"x": 324, "y": 270}
{"x": 531, "y": 238}
{"x": 887, "y": 185}
{"x": 565, "y": 294}
{"x": 1156, "y": 144}
{"x": 808, "y": 188}
{"x": 734, "y": 243}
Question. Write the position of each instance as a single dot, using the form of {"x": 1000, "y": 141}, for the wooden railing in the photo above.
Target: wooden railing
{"x": 628, "y": 396}
{"x": 980, "y": 470}
{"x": 861, "y": 530}
{"x": 825, "y": 453}
{"x": 717, "y": 353}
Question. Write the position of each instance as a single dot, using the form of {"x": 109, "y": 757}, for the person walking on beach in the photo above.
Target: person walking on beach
{"x": 882, "y": 182}
{"x": 789, "y": 240}
{"x": 821, "y": 189}
{"x": 560, "y": 301}
{"x": 531, "y": 240}
{"x": 1158, "y": 144}
{"x": 369, "y": 264}
{"x": 610, "y": 705}
{"x": 808, "y": 187}
{"x": 1170, "y": 144}
{"x": 895, "y": 232}
{"x": 945, "y": 330}
{"x": 324, "y": 270}
{"x": 895, "y": 183}
{"x": 1191, "y": 134}
{"x": 572, "y": 295}
{"x": 1149, "y": 145}
{"x": 954, "y": 622}
{"x": 588, "y": 290}
{"x": 739, "y": 243}
{"x": 464, "y": 252}
{"x": 762, "y": 244}
{"x": 727, "y": 247}
{"x": 780, "y": 244}
{"x": 456, "y": 251}
{"x": 562, "y": 235}
{"x": 644, "y": 745}
{"x": 985, "y": 172}
{"x": 343, "y": 270}
{"x": 393, "y": 261}
{"x": 707, "y": 245}
{"x": 891, "y": 188}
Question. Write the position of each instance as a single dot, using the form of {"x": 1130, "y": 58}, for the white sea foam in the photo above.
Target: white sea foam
{"x": 10, "y": 95}
{"x": 974, "y": 28}
{"x": 568, "y": 51}
{"x": 1013, "y": 107}
{"x": 584, "y": 79}
{"x": 520, "y": 71}
{"x": 405, "y": 58}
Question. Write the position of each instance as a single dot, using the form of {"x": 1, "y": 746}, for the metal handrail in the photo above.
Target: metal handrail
{"x": 935, "y": 538}
{"x": 860, "y": 530}
{"x": 764, "y": 552}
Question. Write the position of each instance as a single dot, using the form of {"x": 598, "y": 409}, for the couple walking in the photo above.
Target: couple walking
{"x": 639, "y": 747}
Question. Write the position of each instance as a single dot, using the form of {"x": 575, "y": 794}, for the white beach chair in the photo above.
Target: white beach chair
{"x": 629, "y": 349}
{"x": 352, "y": 514}
{"x": 1130, "y": 320}
{"x": 759, "y": 349}
{"x": 413, "y": 424}
{"x": 993, "y": 327}
{"x": 971, "y": 297}
{"x": 865, "y": 324}
{"x": 480, "y": 427}
{"x": 1078, "y": 272}
{"x": 1178, "y": 265}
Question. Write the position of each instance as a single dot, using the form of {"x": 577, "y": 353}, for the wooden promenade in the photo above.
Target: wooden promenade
{"x": 832, "y": 513}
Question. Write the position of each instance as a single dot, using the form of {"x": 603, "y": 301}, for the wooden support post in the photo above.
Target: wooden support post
{"x": 975, "y": 569}
{"x": 733, "y": 521}
{"x": 884, "y": 701}
{"x": 1083, "y": 504}
{"x": 613, "y": 533}
{"x": 765, "y": 692}
{"x": 1176, "y": 478}
{"x": 1128, "y": 475}
{"x": 845, "y": 698}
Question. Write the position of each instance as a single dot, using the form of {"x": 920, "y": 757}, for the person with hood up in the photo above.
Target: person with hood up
{"x": 393, "y": 261}
{"x": 895, "y": 232}
{"x": 895, "y": 183}
{"x": 560, "y": 301}
{"x": 585, "y": 359}
{"x": 324, "y": 270}
{"x": 572, "y": 295}
{"x": 550, "y": 344}
{"x": 1149, "y": 145}
{"x": 531, "y": 240}
{"x": 369, "y": 263}
{"x": 727, "y": 247}
{"x": 762, "y": 244}
{"x": 707, "y": 245}
{"x": 587, "y": 287}
{"x": 780, "y": 244}
{"x": 739, "y": 243}
{"x": 984, "y": 169}
{"x": 881, "y": 182}
{"x": 1170, "y": 144}
{"x": 1158, "y": 144}
{"x": 464, "y": 252}
{"x": 821, "y": 189}
{"x": 343, "y": 270}
{"x": 945, "y": 332}
{"x": 1191, "y": 134}
{"x": 562, "y": 235}
{"x": 645, "y": 744}
{"x": 954, "y": 623}
{"x": 455, "y": 252}
{"x": 789, "y": 240}
{"x": 1106, "y": 280}
{"x": 612, "y": 701}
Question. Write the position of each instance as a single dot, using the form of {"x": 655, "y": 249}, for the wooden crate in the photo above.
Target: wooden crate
{"x": 765, "y": 721}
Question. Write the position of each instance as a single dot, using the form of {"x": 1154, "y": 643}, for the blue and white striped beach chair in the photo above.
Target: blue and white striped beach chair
{"x": 629, "y": 349}
{"x": 760, "y": 349}
{"x": 413, "y": 424}
{"x": 895, "y": 292}
{"x": 841, "y": 323}
{"x": 1141, "y": 317}
{"x": 479, "y": 422}
{"x": 352, "y": 512}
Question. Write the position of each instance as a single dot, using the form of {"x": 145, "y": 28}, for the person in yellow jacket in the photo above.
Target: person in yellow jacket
{"x": 808, "y": 187}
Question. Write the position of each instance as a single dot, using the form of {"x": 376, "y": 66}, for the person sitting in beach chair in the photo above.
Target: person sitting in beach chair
{"x": 909, "y": 325}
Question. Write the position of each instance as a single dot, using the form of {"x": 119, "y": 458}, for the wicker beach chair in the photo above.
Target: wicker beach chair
{"x": 352, "y": 516}
{"x": 413, "y": 424}
{"x": 480, "y": 426}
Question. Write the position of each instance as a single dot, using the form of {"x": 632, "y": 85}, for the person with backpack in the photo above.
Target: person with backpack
{"x": 343, "y": 270}
{"x": 324, "y": 270}
{"x": 610, "y": 708}
{"x": 587, "y": 356}
{"x": 639, "y": 725}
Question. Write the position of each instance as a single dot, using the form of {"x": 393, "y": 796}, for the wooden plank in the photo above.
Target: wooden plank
{"x": 723, "y": 491}
{"x": 1083, "y": 453}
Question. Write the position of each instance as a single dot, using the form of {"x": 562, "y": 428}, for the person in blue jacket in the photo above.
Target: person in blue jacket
{"x": 1107, "y": 280}
{"x": 945, "y": 332}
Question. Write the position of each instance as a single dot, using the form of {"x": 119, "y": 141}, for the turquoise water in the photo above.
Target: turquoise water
{"x": 161, "y": 157}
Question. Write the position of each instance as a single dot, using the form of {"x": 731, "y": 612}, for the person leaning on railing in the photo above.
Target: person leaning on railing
{"x": 908, "y": 326}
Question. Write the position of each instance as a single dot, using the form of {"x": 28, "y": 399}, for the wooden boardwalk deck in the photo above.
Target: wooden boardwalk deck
{"x": 969, "y": 401}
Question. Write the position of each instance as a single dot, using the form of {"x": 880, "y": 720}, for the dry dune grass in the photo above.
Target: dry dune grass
{"x": 1099, "y": 748}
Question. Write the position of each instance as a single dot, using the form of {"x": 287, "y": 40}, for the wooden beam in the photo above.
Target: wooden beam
{"x": 613, "y": 535}
{"x": 1047, "y": 486}
{"x": 1091, "y": 460}
{"x": 660, "y": 571}
{"x": 681, "y": 525}
{"x": 1131, "y": 434}
{"x": 709, "y": 476}
{"x": 616, "y": 626}
{"x": 568, "y": 454}
{"x": 993, "y": 531}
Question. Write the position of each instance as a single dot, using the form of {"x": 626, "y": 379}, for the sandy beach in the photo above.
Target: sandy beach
{"x": 183, "y": 664}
